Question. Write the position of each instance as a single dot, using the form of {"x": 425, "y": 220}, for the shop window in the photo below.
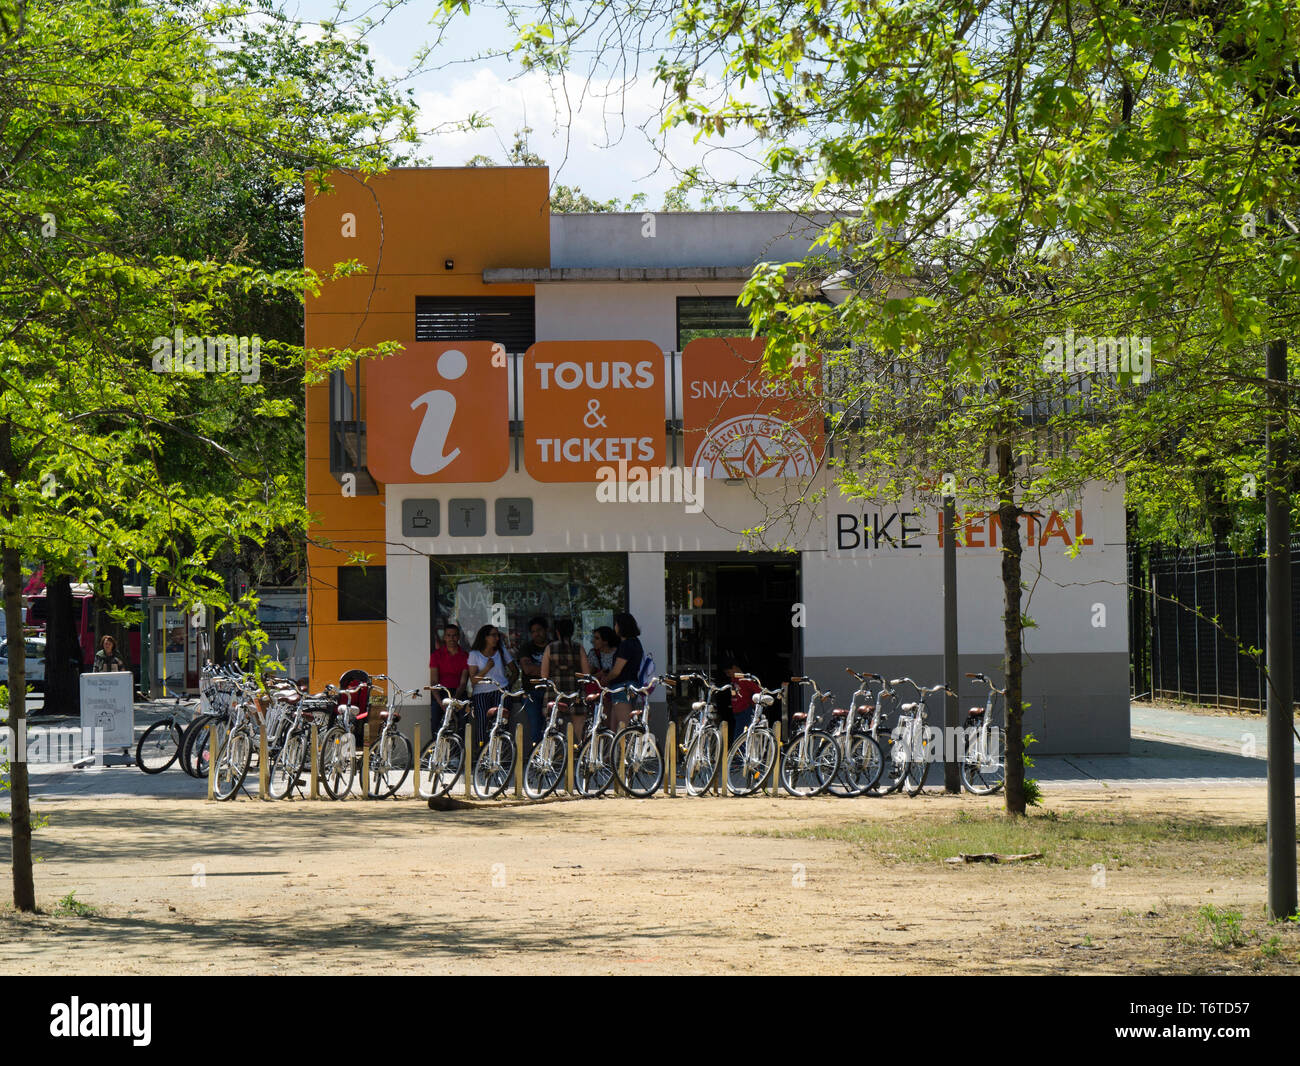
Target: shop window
{"x": 363, "y": 594}
{"x": 588, "y": 588}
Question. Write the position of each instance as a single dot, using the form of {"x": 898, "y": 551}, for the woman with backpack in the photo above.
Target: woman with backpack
{"x": 626, "y": 669}
{"x": 562, "y": 661}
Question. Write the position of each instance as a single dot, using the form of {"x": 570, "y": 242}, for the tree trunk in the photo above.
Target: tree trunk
{"x": 63, "y": 651}
{"x": 20, "y": 817}
{"x": 1013, "y": 665}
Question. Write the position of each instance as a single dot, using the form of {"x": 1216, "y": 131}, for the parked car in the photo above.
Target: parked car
{"x": 35, "y": 663}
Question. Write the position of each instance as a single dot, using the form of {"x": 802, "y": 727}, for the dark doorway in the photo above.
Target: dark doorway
{"x": 725, "y": 604}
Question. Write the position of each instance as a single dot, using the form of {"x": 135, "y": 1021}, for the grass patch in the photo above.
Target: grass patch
{"x": 71, "y": 907}
{"x": 1066, "y": 839}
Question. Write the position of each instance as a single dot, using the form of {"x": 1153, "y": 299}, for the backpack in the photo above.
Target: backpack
{"x": 647, "y": 671}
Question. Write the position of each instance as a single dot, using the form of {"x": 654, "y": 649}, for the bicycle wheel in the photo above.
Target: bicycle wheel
{"x": 441, "y": 764}
{"x": 702, "y": 761}
{"x": 640, "y": 770}
{"x": 201, "y": 754}
{"x": 982, "y": 773}
{"x": 918, "y": 763}
{"x": 750, "y": 761}
{"x": 811, "y": 761}
{"x": 159, "y": 747}
{"x": 860, "y": 767}
{"x": 545, "y": 767}
{"x": 338, "y": 761}
{"x": 390, "y": 762}
{"x": 188, "y": 739}
{"x": 494, "y": 767}
{"x": 233, "y": 759}
{"x": 593, "y": 767}
{"x": 288, "y": 764}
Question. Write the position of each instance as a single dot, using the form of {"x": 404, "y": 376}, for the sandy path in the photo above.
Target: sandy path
{"x": 610, "y": 886}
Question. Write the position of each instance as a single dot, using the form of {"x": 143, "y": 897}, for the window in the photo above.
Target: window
{"x": 587, "y": 588}
{"x": 507, "y": 320}
{"x": 709, "y": 316}
{"x": 363, "y": 594}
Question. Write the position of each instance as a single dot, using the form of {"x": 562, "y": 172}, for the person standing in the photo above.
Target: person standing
{"x": 106, "y": 659}
{"x": 604, "y": 645}
{"x": 530, "y": 663}
{"x": 627, "y": 665}
{"x": 743, "y": 691}
{"x": 448, "y": 665}
{"x": 562, "y": 661}
{"x": 488, "y": 662}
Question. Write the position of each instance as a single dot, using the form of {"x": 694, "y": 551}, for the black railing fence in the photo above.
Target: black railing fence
{"x": 1197, "y": 625}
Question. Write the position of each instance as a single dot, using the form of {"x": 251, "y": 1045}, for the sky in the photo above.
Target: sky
{"x": 587, "y": 128}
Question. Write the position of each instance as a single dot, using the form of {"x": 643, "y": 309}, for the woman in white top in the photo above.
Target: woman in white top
{"x": 488, "y": 659}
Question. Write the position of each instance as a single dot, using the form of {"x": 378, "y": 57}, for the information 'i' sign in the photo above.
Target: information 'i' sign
{"x": 592, "y": 404}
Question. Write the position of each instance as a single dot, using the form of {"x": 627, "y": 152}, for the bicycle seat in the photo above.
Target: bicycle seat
{"x": 396, "y": 716}
{"x": 908, "y": 708}
{"x": 798, "y": 716}
{"x": 840, "y": 712}
{"x": 977, "y": 712}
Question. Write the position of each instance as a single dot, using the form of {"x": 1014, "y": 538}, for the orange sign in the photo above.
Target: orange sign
{"x": 438, "y": 413}
{"x": 590, "y": 404}
{"x": 740, "y": 423}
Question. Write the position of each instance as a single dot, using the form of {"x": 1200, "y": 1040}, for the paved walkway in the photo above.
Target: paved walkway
{"x": 1169, "y": 749}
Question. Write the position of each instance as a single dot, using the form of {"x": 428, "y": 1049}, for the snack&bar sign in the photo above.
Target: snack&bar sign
{"x": 740, "y": 423}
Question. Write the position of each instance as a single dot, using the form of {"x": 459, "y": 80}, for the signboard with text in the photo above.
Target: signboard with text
{"x": 741, "y": 423}
{"x": 592, "y": 404}
{"x": 107, "y": 710}
{"x": 439, "y": 413}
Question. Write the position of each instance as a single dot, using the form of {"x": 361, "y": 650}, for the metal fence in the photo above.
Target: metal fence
{"x": 1197, "y": 625}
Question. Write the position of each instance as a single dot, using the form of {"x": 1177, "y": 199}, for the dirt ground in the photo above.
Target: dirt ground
{"x": 620, "y": 886}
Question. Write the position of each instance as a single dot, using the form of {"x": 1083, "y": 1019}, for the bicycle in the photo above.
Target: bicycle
{"x": 638, "y": 763}
{"x": 812, "y": 758}
{"x": 235, "y": 753}
{"x": 593, "y": 766}
{"x": 861, "y": 759}
{"x": 443, "y": 759}
{"x": 496, "y": 761}
{"x": 701, "y": 744}
{"x": 913, "y": 745}
{"x": 293, "y": 759}
{"x": 338, "y": 750}
{"x": 390, "y": 754}
{"x": 160, "y": 745}
{"x": 216, "y": 689}
{"x": 891, "y": 776}
{"x": 983, "y": 765}
{"x": 544, "y": 769}
{"x": 753, "y": 753}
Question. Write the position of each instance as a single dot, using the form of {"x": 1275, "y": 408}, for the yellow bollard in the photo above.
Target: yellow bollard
{"x": 568, "y": 762}
{"x": 314, "y": 787}
{"x": 670, "y": 770}
{"x": 721, "y": 770}
{"x": 261, "y": 761}
{"x": 519, "y": 760}
{"x": 415, "y": 748}
{"x": 619, "y": 790}
{"x": 468, "y": 760}
{"x": 365, "y": 768}
{"x": 776, "y": 763}
{"x": 212, "y": 760}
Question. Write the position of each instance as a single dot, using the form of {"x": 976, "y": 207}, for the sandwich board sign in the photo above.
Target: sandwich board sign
{"x": 107, "y": 709}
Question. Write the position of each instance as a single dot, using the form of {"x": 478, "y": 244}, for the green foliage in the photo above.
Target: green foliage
{"x": 1032, "y": 790}
{"x": 1223, "y": 926}
{"x": 71, "y": 907}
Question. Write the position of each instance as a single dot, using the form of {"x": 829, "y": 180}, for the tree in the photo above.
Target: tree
{"x": 108, "y": 437}
{"x": 1012, "y": 171}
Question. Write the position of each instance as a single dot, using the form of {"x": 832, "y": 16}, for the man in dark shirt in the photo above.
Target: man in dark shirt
{"x": 530, "y": 664}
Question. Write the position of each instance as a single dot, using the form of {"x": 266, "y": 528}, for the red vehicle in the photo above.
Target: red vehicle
{"x": 83, "y": 615}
